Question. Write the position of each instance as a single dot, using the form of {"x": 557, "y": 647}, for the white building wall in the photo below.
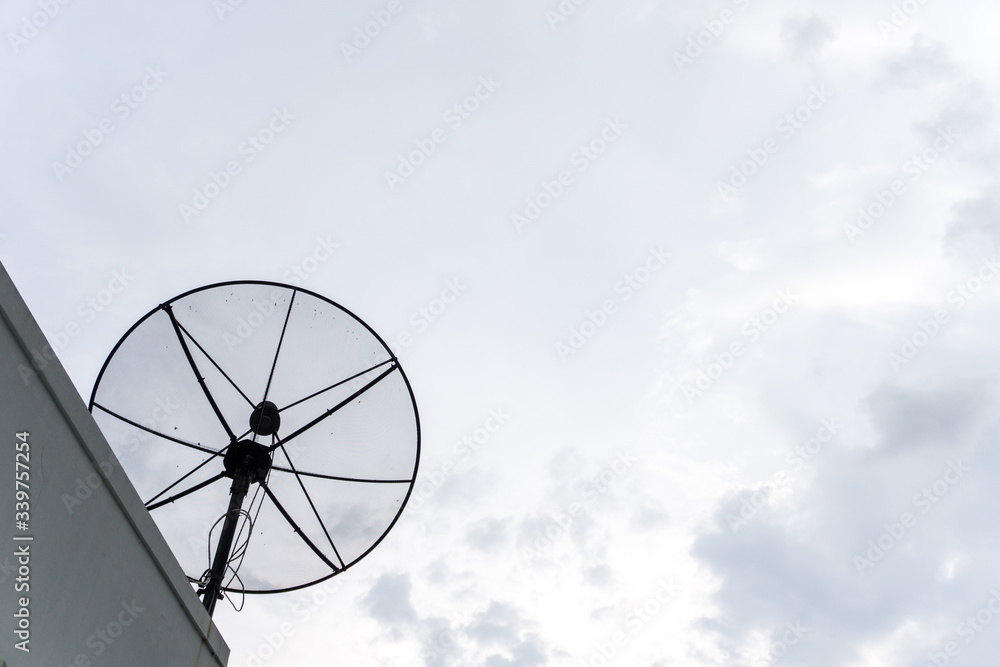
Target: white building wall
{"x": 103, "y": 588}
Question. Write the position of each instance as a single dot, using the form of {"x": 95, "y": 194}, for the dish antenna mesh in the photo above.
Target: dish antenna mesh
{"x": 273, "y": 402}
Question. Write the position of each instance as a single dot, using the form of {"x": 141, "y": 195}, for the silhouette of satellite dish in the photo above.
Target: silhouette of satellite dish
{"x": 270, "y": 432}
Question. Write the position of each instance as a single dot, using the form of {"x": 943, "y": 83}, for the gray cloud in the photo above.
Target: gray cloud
{"x": 796, "y": 559}
{"x": 804, "y": 36}
{"x": 389, "y": 600}
{"x": 528, "y": 653}
{"x": 926, "y": 61}
{"x": 909, "y": 417}
{"x": 974, "y": 231}
{"x": 501, "y": 625}
{"x": 489, "y": 534}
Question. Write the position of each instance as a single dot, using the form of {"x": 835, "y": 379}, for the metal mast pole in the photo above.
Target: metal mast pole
{"x": 238, "y": 491}
{"x": 246, "y": 462}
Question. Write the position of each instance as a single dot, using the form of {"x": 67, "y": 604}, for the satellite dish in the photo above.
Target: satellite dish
{"x": 270, "y": 432}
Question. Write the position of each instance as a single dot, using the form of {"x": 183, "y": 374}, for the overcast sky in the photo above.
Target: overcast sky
{"x": 715, "y": 379}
